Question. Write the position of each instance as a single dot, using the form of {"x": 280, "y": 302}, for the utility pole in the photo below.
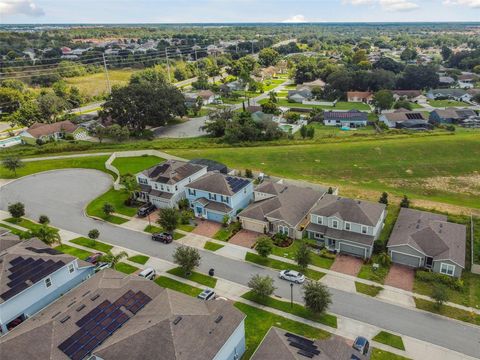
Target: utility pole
{"x": 109, "y": 87}
{"x": 168, "y": 65}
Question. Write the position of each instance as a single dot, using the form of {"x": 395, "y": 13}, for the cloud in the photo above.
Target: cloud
{"x": 20, "y": 7}
{"x": 470, "y": 3}
{"x": 390, "y": 5}
{"x": 295, "y": 19}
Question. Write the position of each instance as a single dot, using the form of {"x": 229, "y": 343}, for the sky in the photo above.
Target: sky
{"x": 204, "y": 11}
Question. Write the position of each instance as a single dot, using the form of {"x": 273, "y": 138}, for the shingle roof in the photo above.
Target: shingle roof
{"x": 338, "y": 234}
{"x": 356, "y": 211}
{"x": 219, "y": 183}
{"x": 290, "y": 203}
{"x": 407, "y": 93}
{"x": 351, "y": 115}
{"x": 172, "y": 171}
{"x": 404, "y": 115}
{"x": 430, "y": 234}
{"x": 39, "y": 129}
{"x": 149, "y": 334}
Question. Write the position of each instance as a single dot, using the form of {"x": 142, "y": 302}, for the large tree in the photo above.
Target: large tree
{"x": 46, "y": 234}
{"x": 418, "y": 78}
{"x": 268, "y": 57}
{"x": 12, "y": 163}
{"x": 187, "y": 257}
{"x": 261, "y": 286}
{"x": 168, "y": 219}
{"x": 383, "y": 99}
{"x": 316, "y": 296}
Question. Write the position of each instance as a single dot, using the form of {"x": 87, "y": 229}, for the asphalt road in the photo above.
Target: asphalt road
{"x": 63, "y": 194}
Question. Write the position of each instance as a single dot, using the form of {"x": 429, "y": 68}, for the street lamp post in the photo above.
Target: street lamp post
{"x": 291, "y": 295}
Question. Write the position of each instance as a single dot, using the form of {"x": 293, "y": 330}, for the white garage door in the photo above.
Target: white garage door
{"x": 253, "y": 226}
{"x": 352, "y": 250}
{"x": 405, "y": 259}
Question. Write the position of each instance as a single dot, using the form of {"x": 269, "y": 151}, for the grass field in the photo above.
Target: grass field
{"x": 114, "y": 197}
{"x": 139, "y": 259}
{"x": 169, "y": 283}
{"x": 289, "y": 253}
{"x": 212, "y": 246}
{"x": 449, "y": 311}
{"x": 25, "y": 223}
{"x": 390, "y": 340}
{"x": 32, "y": 167}
{"x": 70, "y": 250}
{"x": 12, "y": 230}
{"x": 440, "y": 168}
{"x": 296, "y": 309}
{"x": 322, "y": 131}
{"x": 446, "y": 103}
{"x": 195, "y": 276}
{"x": 96, "y": 84}
{"x": 378, "y": 354}
{"x": 341, "y": 105}
{"x": 365, "y": 289}
{"x": 133, "y": 165}
{"x": 96, "y": 245}
{"x": 125, "y": 268}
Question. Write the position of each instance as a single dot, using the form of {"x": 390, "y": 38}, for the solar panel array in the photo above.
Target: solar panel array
{"x": 305, "y": 347}
{"x": 414, "y": 116}
{"x": 48, "y": 251}
{"x": 25, "y": 272}
{"x": 102, "y": 322}
{"x": 236, "y": 183}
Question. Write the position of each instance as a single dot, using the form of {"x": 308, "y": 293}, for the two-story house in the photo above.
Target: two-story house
{"x": 347, "y": 225}
{"x": 164, "y": 184}
{"x": 33, "y": 275}
{"x": 215, "y": 195}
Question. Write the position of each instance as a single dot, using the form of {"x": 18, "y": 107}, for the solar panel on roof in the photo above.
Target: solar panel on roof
{"x": 16, "y": 261}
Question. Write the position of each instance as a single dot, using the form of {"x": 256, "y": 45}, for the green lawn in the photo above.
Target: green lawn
{"x": 13, "y": 230}
{"x": 446, "y": 103}
{"x": 405, "y": 165}
{"x": 96, "y": 84}
{"x": 25, "y": 223}
{"x": 186, "y": 227}
{"x": 133, "y": 165}
{"x": 341, "y": 105}
{"x": 157, "y": 229}
{"x": 448, "y": 311}
{"x": 197, "y": 277}
{"x": 390, "y": 340}
{"x": 297, "y": 309}
{"x": 212, "y": 246}
{"x": 32, "y": 167}
{"x": 280, "y": 265}
{"x": 369, "y": 290}
{"x": 258, "y": 322}
{"x": 226, "y": 232}
{"x": 172, "y": 284}
{"x": 70, "y": 250}
{"x": 96, "y": 245}
{"x": 125, "y": 268}
{"x": 139, "y": 259}
{"x": 117, "y": 199}
{"x": 289, "y": 253}
{"x": 322, "y": 131}
{"x": 378, "y": 354}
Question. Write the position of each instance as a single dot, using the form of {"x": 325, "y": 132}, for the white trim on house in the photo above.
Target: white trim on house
{"x": 410, "y": 246}
{"x": 457, "y": 264}
{"x": 365, "y": 248}
{"x": 448, "y": 266}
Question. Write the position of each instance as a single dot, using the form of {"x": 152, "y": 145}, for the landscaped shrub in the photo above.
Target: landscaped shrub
{"x": 451, "y": 282}
{"x": 185, "y": 216}
{"x": 282, "y": 240}
{"x": 327, "y": 254}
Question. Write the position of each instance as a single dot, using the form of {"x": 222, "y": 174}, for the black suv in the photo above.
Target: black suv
{"x": 164, "y": 237}
{"x": 146, "y": 209}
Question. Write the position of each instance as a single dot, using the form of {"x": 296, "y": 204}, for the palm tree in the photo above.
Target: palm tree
{"x": 46, "y": 234}
{"x": 12, "y": 164}
{"x": 112, "y": 259}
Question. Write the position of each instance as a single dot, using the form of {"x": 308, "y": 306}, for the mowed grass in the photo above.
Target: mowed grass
{"x": 197, "y": 277}
{"x": 96, "y": 245}
{"x": 390, "y": 340}
{"x": 126, "y": 268}
{"x": 212, "y": 246}
{"x": 25, "y": 223}
{"x": 133, "y": 165}
{"x": 446, "y": 103}
{"x": 365, "y": 289}
{"x": 172, "y": 284}
{"x": 116, "y": 198}
{"x": 258, "y": 322}
{"x": 449, "y": 311}
{"x": 32, "y": 167}
{"x": 322, "y": 131}
{"x": 341, "y": 105}
{"x": 289, "y": 253}
{"x": 296, "y": 309}
{"x": 139, "y": 259}
{"x": 70, "y": 250}
{"x": 378, "y": 354}
{"x": 96, "y": 84}
{"x": 399, "y": 166}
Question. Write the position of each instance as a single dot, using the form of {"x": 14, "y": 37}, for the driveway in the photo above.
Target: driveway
{"x": 189, "y": 128}
{"x": 206, "y": 228}
{"x": 347, "y": 264}
{"x": 62, "y": 195}
{"x": 245, "y": 238}
{"x": 401, "y": 277}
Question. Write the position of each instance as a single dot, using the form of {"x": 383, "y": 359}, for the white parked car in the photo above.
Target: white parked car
{"x": 207, "y": 294}
{"x": 102, "y": 265}
{"x": 292, "y": 275}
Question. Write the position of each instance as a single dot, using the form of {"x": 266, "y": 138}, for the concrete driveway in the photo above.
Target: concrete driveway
{"x": 62, "y": 195}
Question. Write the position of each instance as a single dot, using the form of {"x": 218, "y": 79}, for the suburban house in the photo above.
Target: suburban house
{"x": 403, "y": 118}
{"x": 259, "y": 116}
{"x": 467, "y": 80}
{"x": 280, "y": 208}
{"x": 300, "y": 95}
{"x": 33, "y": 275}
{"x": 215, "y": 195}
{"x": 164, "y": 184}
{"x": 422, "y": 239}
{"x": 351, "y": 118}
{"x": 450, "y": 115}
{"x": 236, "y": 85}
{"x": 346, "y": 225}
{"x": 207, "y": 96}
{"x": 281, "y": 345}
{"x": 360, "y": 96}
{"x": 452, "y": 94}
{"x": 446, "y": 81}
{"x": 411, "y": 95}
{"x": 118, "y": 316}
{"x": 52, "y": 132}
{"x": 312, "y": 84}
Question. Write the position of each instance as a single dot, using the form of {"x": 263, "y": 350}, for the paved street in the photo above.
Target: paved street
{"x": 190, "y": 128}
{"x": 63, "y": 194}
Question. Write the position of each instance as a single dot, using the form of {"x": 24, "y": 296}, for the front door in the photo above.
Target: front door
{"x": 199, "y": 211}
{"x": 428, "y": 262}
{"x": 331, "y": 243}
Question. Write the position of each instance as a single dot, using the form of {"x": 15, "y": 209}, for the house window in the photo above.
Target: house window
{"x": 143, "y": 181}
{"x": 71, "y": 268}
{"x": 364, "y": 229}
{"x": 283, "y": 229}
{"x": 347, "y": 226}
{"x": 191, "y": 192}
{"x": 319, "y": 220}
{"x": 156, "y": 187}
{"x": 176, "y": 187}
{"x": 212, "y": 196}
{"x": 168, "y": 188}
{"x": 48, "y": 282}
{"x": 447, "y": 269}
{"x": 317, "y": 236}
{"x": 225, "y": 199}
{"x": 161, "y": 187}
{"x": 335, "y": 224}
{"x": 245, "y": 190}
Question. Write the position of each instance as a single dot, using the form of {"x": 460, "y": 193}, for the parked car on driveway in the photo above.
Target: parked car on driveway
{"x": 94, "y": 258}
{"x": 207, "y": 294}
{"x": 292, "y": 275}
{"x": 361, "y": 344}
{"x": 146, "y": 210}
{"x": 164, "y": 237}
{"x": 102, "y": 265}
{"x": 148, "y": 273}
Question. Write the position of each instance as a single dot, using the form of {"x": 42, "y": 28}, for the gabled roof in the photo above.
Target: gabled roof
{"x": 407, "y": 93}
{"x": 289, "y": 203}
{"x": 172, "y": 171}
{"x": 430, "y": 234}
{"x": 453, "y": 113}
{"x": 169, "y": 326}
{"x": 351, "y": 115}
{"x": 359, "y": 94}
{"x": 219, "y": 183}
{"x": 39, "y": 129}
{"x": 351, "y": 210}
{"x": 451, "y": 92}
{"x": 404, "y": 115}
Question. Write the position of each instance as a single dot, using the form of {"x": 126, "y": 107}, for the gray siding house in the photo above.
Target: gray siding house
{"x": 421, "y": 239}
{"x": 346, "y": 225}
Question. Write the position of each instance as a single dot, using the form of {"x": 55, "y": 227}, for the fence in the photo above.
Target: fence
{"x": 475, "y": 267}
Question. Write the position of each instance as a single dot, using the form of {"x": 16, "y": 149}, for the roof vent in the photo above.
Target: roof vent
{"x": 218, "y": 319}
{"x": 81, "y": 307}
{"x": 65, "y": 319}
{"x": 88, "y": 292}
{"x": 95, "y": 297}
{"x": 418, "y": 226}
{"x": 56, "y": 314}
{"x": 177, "y": 320}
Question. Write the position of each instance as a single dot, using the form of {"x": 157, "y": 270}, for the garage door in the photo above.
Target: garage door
{"x": 405, "y": 259}
{"x": 353, "y": 250}
{"x": 214, "y": 216}
{"x": 253, "y": 226}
